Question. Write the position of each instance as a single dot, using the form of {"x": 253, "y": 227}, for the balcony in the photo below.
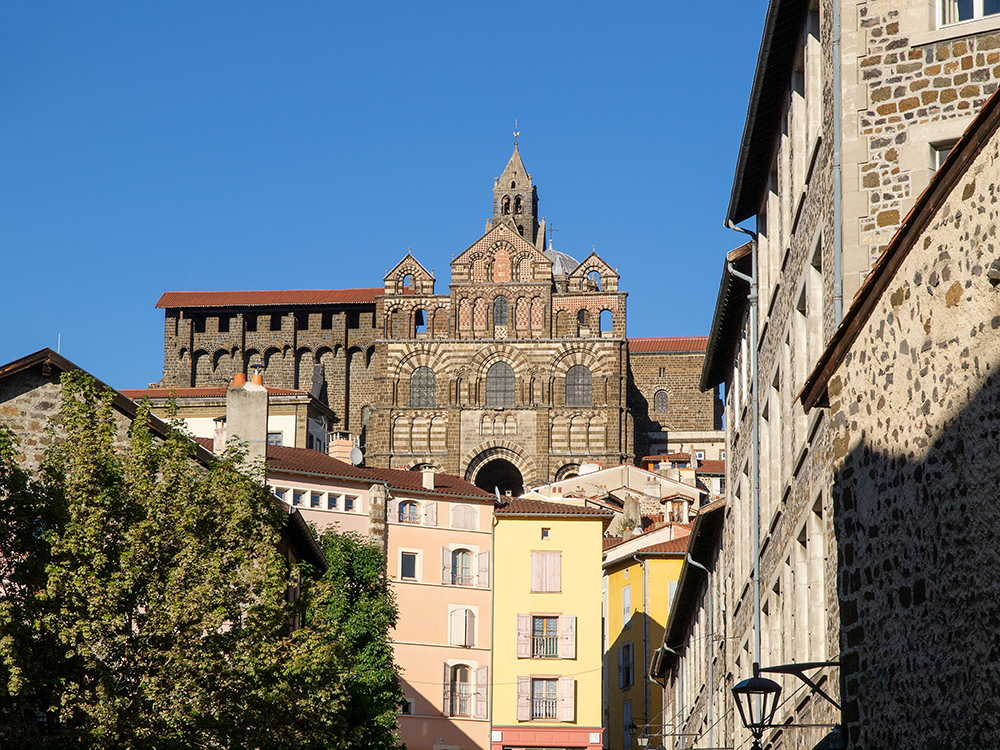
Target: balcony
{"x": 459, "y": 700}
{"x": 461, "y": 579}
{"x": 544, "y": 708}
{"x": 409, "y": 515}
{"x": 544, "y": 647}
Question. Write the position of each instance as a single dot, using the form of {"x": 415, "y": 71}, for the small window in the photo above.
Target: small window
{"x": 408, "y": 566}
{"x": 423, "y": 385}
{"x": 578, "y": 386}
{"x": 460, "y": 700}
{"x": 349, "y": 502}
{"x": 405, "y": 707}
{"x": 940, "y": 151}
{"x": 274, "y": 438}
{"x": 275, "y": 323}
{"x": 314, "y": 499}
{"x": 518, "y": 204}
{"x": 297, "y": 497}
{"x": 700, "y": 455}
{"x": 663, "y": 371}
{"x": 956, "y": 11}
{"x": 250, "y": 323}
{"x": 627, "y": 606}
{"x": 409, "y": 512}
{"x": 500, "y": 311}
{"x": 626, "y": 668}
{"x": 660, "y": 402}
{"x": 463, "y": 517}
{"x": 500, "y": 385}
{"x": 331, "y": 501}
{"x": 223, "y": 324}
{"x": 545, "y": 533}
{"x": 545, "y": 700}
{"x": 461, "y": 567}
{"x": 505, "y": 205}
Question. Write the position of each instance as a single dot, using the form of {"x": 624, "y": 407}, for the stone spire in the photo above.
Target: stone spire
{"x": 515, "y": 199}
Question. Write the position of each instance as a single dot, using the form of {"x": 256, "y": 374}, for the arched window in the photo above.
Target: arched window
{"x": 660, "y": 402}
{"x": 518, "y": 205}
{"x": 461, "y": 567}
{"x": 366, "y": 414}
{"x": 422, "y": 387}
{"x": 460, "y": 698}
{"x": 409, "y": 512}
{"x": 582, "y": 317}
{"x": 578, "y": 386}
{"x": 607, "y": 322}
{"x": 501, "y": 311}
{"x": 420, "y": 322}
{"x": 505, "y": 205}
{"x": 594, "y": 278}
{"x": 500, "y": 385}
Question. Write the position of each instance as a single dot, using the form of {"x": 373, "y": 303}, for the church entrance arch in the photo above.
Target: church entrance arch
{"x": 499, "y": 464}
{"x": 502, "y": 475}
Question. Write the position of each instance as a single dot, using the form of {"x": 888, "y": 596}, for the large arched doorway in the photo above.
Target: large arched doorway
{"x": 501, "y": 474}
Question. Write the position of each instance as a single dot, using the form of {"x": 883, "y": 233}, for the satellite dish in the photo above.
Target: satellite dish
{"x": 356, "y": 456}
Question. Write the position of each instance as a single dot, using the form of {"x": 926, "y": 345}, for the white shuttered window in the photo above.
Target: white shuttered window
{"x": 546, "y": 572}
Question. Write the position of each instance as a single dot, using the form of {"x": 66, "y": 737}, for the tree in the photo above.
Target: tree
{"x": 143, "y": 602}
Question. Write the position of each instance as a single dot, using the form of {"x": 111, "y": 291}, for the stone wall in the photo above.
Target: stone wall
{"x": 916, "y": 409}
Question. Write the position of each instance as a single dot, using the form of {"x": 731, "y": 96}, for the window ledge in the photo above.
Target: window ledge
{"x": 956, "y": 31}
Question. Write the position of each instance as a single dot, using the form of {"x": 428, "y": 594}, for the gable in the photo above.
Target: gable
{"x": 501, "y": 256}
{"x": 421, "y": 281}
{"x": 583, "y": 278}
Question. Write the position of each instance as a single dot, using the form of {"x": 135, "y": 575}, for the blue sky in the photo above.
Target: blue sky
{"x": 190, "y": 145}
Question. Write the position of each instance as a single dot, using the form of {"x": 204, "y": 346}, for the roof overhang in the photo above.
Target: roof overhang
{"x": 727, "y": 322}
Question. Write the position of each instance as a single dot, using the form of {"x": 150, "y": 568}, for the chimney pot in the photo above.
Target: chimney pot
{"x": 239, "y": 380}
{"x": 428, "y": 479}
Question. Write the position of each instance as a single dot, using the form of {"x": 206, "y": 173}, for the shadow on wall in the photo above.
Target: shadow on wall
{"x": 427, "y": 725}
{"x": 628, "y": 664}
{"x": 918, "y": 544}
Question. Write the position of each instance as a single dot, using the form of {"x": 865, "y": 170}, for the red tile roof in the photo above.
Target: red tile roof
{"x": 519, "y": 506}
{"x": 672, "y": 344}
{"x": 281, "y": 298}
{"x": 672, "y": 547}
{"x": 668, "y": 457}
{"x": 611, "y": 541}
{"x": 136, "y": 394}
{"x": 711, "y": 467}
{"x": 282, "y": 458}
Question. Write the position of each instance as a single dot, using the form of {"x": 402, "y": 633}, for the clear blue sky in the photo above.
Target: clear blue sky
{"x": 147, "y": 147}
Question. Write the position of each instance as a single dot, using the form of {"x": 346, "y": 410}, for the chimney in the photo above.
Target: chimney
{"x": 246, "y": 413}
{"x": 219, "y": 436}
{"x": 428, "y": 476}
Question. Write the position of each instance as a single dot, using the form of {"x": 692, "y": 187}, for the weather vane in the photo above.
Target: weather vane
{"x": 516, "y": 132}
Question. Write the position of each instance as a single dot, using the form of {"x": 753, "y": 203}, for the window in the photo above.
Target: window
{"x": 408, "y": 566}
{"x": 544, "y": 699}
{"x": 409, "y": 512}
{"x": 366, "y": 413}
{"x": 956, "y": 11}
{"x": 331, "y": 501}
{"x": 274, "y": 438}
{"x": 545, "y": 533}
{"x": 462, "y": 627}
{"x": 626, "y": 672}
{"x": 660, "y": 402}
{"x": 422, "y": 387}
{"x": 500, "y": 385}
{"x": 700, "y": 455}
{"x": 626, "y": 720}
{"x": 546, "y": 572}
{"x": 578, "y": 386}
{"x": 459, "y": 691}
{"x": 314, "y": 499}
{"x": 223, "y": 324}
{"x": 544, "y": 637}
{"x": 627, "y": 606}
{"x": 297, "y": 496}
{"x": 501, "y": 311}
{"x": 461, "y": 567}
{"x": 463, "y": 517}
{"x": 405, "y": 707}
{"x": 663, "y": 371}
{"x": 939, "y": 152}
{"x": 349, "y": 501}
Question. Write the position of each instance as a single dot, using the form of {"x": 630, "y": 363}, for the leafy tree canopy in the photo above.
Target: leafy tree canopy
{"x": 144, "y": 603}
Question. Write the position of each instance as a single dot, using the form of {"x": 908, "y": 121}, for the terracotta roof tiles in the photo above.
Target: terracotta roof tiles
{"x": 277, "y": 298}
{"x": 671, "y": 344}
{"x": 519, "y": 506}
{"x": 137, "y": 394}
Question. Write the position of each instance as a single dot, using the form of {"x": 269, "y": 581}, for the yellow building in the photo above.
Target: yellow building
{"x": 547, "y": 639}
{"x": 640, "y": 582}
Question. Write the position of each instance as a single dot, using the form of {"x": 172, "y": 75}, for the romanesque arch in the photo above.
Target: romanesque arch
{"x": 498, "y": 450}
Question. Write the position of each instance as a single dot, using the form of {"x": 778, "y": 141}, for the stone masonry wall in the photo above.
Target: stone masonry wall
{"x": 916, "y": 409}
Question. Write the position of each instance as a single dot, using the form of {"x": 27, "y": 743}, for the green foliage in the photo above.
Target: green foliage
{"x": 143, "y": 603}
{"x": 626, "y": 523}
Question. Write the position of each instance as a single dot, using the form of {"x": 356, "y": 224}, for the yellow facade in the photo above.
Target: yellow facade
{"x": 639, "y": 586}
{"x": 560, "y": 670}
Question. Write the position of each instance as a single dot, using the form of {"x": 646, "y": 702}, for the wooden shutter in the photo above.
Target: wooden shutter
{"x": 456, "y": 635}
{"x": 446, "y": 692}
{"x": 524, "y": 636}
{"x": 567, "y": 636}
{"x": 621, "y": 667}
{"x": 523, "y": 698}
{"x": 567, "y": 695}
{"x": 483, "y": 563}
{"x": 431, "y": 514}
{"x": 445, "y": 565}
{"x": 470, "y": 628}
{"x": 390, "y": 510}
{"x": 537, "y": 571}
{"x": 553, "y": 571}
{"x": 482, "y": 692}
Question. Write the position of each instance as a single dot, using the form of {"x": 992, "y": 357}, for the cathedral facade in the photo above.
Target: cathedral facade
{"x": 517, "y": 375}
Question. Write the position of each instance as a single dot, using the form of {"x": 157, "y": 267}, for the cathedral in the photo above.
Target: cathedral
{"x": 518, "y": 374}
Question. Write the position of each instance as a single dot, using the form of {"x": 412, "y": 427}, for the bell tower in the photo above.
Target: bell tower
{"x": 515, "y": 199}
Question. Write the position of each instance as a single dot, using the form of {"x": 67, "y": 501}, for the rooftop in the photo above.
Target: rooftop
{"x": 278, "y": 298}
{"x": 668, "y": 344}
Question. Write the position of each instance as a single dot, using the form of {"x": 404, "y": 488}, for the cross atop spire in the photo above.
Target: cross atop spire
{"x": 516, "y": 133}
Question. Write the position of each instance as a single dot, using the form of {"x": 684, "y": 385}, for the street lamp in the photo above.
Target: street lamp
{"x": 632, "y": 728}
{"x": 756, "y": 700}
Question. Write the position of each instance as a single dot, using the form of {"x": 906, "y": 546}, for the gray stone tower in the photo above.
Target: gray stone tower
{"x": 515, "y": 200}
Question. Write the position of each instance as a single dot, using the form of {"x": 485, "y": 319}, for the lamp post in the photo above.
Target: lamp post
{"x": 756, "y": 700}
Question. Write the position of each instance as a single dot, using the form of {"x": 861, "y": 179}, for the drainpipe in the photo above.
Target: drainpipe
{"x": 755, "y": 408}
{"x": 838, "y": 232}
